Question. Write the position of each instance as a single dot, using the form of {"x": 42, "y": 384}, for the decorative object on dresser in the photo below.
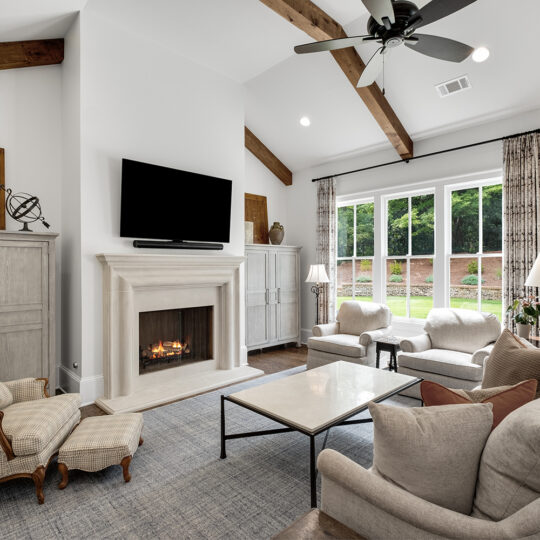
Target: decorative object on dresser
{"x": 2, "y": 196}
{"x": 32, "y": 429}
{"x": 256, "y": 211}
{"x": 248, "y": 232}
{"x": 27, "y": 306}
{"x": 276, "y": 233}
{"x": 272, "y": 295}
{"x": 24, "y": 208}
{"x": 352, "y": 337}
{"x": 317, "y": 274}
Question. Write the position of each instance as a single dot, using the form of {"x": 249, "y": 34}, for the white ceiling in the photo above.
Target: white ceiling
{"x": 248, "y": 42}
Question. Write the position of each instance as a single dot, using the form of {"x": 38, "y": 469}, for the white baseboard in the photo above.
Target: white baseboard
{"x": 90, "y": 388}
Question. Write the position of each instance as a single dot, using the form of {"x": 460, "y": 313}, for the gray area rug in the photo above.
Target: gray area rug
{"x": 180, "y": 488}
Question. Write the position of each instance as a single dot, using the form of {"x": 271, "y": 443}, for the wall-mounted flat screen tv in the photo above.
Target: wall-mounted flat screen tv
{"x": 169, "y": 204}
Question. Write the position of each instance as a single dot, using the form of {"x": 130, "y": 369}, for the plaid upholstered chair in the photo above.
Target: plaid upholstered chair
{"x": 33, "y": 426}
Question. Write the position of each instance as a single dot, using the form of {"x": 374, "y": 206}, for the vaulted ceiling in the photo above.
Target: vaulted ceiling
{"x": 248, "y": 42}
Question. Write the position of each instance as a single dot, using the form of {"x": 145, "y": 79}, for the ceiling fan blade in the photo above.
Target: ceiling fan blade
{"x": 372, "y": 69}
{"x": 380, "y": 9}
{"x": 439, "y": 47}
{"x": 332, "y": 44}
{"x": 435, "y": 10}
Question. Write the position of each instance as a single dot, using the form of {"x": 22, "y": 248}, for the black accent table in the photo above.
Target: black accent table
{"x": 389, "y": 344}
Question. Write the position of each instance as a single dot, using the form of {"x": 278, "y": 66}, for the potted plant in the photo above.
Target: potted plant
{"x": 525, "y": 313}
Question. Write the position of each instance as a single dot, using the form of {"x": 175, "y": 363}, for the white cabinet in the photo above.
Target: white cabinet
{"x": 272, "y": 295}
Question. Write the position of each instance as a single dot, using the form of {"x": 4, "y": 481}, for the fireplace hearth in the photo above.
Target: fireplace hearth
{"x": 174, "y": 337}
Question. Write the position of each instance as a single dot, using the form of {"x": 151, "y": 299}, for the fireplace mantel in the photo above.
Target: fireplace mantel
{"x": 133, "y": 283}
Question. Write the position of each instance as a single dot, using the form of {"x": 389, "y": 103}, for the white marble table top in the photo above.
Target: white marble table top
{"x": 320, "y": 397}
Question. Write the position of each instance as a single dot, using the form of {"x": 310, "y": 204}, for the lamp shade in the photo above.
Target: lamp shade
{"x": 533, "y": 279}
{"x": 317, "y": 274}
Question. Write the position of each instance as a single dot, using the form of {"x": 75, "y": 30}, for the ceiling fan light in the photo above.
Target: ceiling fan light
{"x": 305, "y": 121}
{"x": 481, "y": 54}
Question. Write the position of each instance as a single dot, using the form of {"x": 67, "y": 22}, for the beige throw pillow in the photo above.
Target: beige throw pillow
{"x": 6, "y": 397}
{"x": 432, "y": 452}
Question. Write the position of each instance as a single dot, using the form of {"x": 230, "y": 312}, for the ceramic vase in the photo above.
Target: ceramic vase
{"x": 276, "y": 233}
{"x": 524, "y": 330}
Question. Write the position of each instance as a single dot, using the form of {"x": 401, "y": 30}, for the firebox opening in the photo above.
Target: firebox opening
{"x": 174, "y": 337}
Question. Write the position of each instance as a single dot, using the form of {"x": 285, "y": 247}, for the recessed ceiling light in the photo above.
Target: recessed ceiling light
{"x": 305, "y": 121}
{"x": 481, "y": 54}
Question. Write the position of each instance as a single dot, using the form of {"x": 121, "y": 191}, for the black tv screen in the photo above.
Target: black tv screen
{"x": 169, "y": 204}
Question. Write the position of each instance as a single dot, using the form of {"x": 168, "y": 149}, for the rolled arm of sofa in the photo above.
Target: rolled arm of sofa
{"x": 28, "y": 389}
{"x": 416, "y": 344}
{"x": 375, "y": 508}
{"x": 329, "y": 329}
{"x": 480, "y": 356}
{"x": 367, "y": 338}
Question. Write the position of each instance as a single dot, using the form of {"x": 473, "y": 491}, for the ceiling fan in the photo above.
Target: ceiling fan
{"x": 393, "y": 23}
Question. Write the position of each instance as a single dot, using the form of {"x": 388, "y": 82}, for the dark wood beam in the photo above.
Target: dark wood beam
{"x": 40, "y": 52}
{"x": 308, "y": 17}
{"x": 267, "y": 158}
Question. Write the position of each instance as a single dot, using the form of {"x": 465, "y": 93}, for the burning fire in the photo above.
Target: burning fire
{"x": 170, "y": 348}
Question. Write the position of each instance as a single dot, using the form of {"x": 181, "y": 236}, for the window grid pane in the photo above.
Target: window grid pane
{"x": 365, "y": 230}
{"x": 398, "y": 227}
{"x": 345, "y": 229}
{"x": 465, "y": 221}
{"x": 423, "y": 225}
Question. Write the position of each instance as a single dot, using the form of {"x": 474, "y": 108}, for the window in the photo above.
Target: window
{"x": 476, "y": 257}
{"x": 356, "y": 240}
{"x": 410, "y": 253}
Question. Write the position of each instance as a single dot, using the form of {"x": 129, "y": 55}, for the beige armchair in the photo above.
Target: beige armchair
{"x": 352, "y": 337}
{"x": 32, "y": 429}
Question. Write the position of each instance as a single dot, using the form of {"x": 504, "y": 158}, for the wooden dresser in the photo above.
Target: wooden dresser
{"x": 27, "y": 306}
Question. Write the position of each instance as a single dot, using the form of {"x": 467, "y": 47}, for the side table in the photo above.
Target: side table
{"x": 389, "y": 344}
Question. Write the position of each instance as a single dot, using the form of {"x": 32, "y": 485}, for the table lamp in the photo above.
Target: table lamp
{"x": 533, "y": 279}
{"x": 317, "y": 274}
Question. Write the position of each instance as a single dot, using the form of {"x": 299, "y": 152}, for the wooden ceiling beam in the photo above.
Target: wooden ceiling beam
{"x": 266, "y": 157}
{"x": 311, "y": 19}
{"x": 40, "y": 52}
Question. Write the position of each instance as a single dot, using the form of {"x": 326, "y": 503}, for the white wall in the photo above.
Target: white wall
{"x": 31, "y": 134}
{"x": 261, "y": 181}
{"x": 302, "y": 199}
{"x": 142, "y": 101}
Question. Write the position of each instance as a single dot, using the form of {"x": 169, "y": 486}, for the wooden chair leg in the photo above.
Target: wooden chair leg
{"x": 141, "y": 440}
{"x": 63, "y": 470}
{"x": 125, "y": 467}
{"x": 38, "y": 476}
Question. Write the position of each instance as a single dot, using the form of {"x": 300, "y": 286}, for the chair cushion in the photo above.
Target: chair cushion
{"x": 461, "y": 330}
{"x": 432, "y": 452}
{"x": 443, "y": 362}
{"x": 356, "y": 317}
{"x": 505, "y": 399}
{"x": 511, "y": 362}
{"x": 30, "y": 425}
{"x": 342, "y": 344}
{"x": 509, "y": 475}
{"x": 6, "y": 397}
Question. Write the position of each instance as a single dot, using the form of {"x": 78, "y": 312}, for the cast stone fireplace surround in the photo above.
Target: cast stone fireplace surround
{"x": 134, "y": 283}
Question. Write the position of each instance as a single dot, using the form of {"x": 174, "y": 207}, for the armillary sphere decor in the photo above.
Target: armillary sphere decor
{"x": 24, "y": 208}
{"x": 317, "y": 274}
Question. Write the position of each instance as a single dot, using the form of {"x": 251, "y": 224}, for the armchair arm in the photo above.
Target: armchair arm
{"x": 480, "y": 356}
{"x": 4, "y": 441}
{"x": 416, "y": 344}
{"x": 375, "y": 508}
{"x": 329, "y": 329}
{"x": 367, "y": 338}
{"x": 28, "y": 389}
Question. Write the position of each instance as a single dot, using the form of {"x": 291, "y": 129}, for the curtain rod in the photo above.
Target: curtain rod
{"x": 426, "y": 155}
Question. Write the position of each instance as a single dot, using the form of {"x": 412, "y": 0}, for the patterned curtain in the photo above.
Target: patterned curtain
{"x": 521, "y": 195}
{"x": 326, "y": 246}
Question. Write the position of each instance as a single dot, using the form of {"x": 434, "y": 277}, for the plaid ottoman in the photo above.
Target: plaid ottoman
{"x": 99, "y": 442}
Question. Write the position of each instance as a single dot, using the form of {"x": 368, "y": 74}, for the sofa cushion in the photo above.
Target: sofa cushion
{"x": 341, "y": 344}
{"x": 461, "y": 330}
{"x": 6, "y": 397}
{"x": 443, "y": 362}
{"x": 432, "y": 452}
{"x": 505, "y": 399}
{"x": 357, "y": 317}
{"x": 509, "y": 475}
{"x": 30, "y": 425}
{"x": 511, "y": 362}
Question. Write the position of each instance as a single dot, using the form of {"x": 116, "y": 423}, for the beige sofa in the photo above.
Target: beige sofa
{"x": 452, "y": 351}
{"x": 33, "y": 428}
{"x": 506, "y": 503}
{"x": 351, "y": 337}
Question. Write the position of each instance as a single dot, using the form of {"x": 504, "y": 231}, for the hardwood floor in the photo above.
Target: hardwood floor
{"x": 270, "y": 361}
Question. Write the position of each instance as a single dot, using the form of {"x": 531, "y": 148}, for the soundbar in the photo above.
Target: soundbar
{"x": 175, "y": 244}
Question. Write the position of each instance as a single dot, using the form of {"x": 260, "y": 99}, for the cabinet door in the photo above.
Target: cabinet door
{"x": 23, "y": 310}
{"x": 287, "y": 293}
{"x": 273, "y": 308}
{"x": 256, "y": 298}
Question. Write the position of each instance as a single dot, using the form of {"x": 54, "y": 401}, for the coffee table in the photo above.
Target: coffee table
{"x": 315, "y": 400}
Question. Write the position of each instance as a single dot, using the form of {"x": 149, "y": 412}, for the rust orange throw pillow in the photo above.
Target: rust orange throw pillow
{"x": 505, "y": 399}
